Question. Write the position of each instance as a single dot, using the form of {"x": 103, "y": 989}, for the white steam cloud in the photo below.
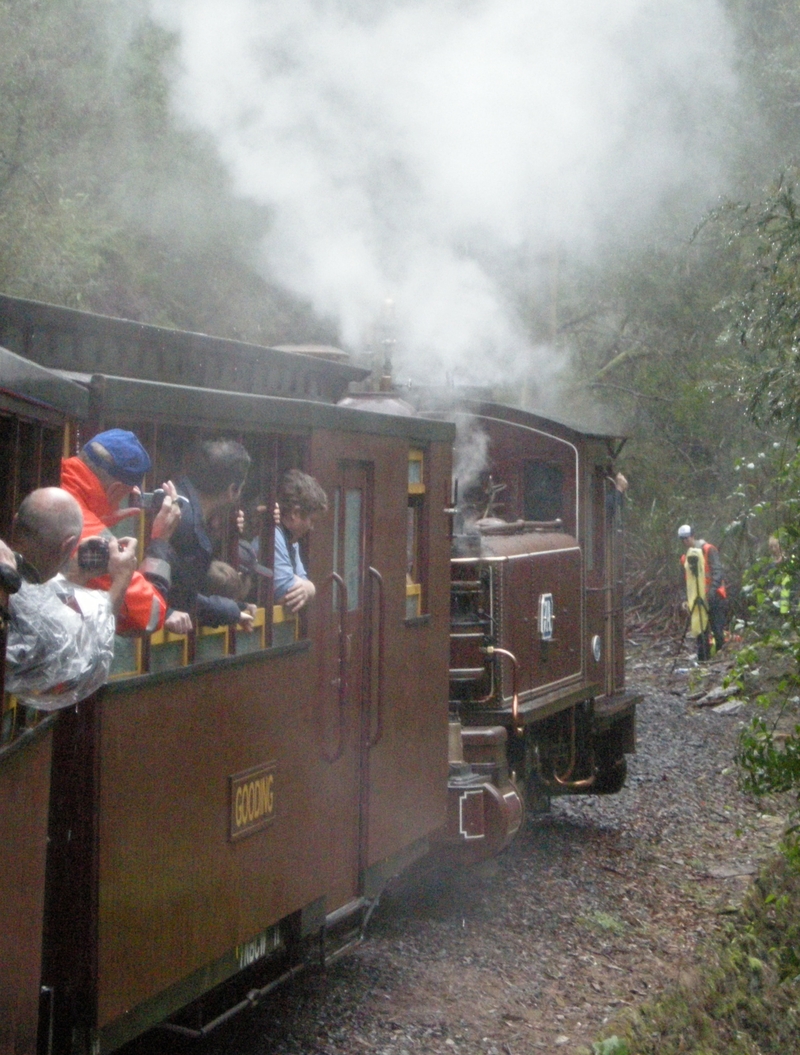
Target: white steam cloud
{"x": 470, "y": 454}
{"x": 412, "y": 147}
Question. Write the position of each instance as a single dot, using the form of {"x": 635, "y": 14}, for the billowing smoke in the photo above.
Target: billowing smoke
{"x": 470, "y": 460}
{"x": 413, "y": 148}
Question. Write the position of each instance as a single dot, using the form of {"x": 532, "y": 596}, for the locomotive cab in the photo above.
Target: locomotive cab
{"x": 536, "y": 634}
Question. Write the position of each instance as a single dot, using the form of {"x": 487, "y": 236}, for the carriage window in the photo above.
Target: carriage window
{"x": 415, "y": 533}
{"x": 543, "y": 488}
{"x": 413, "y": 587}
{"x": 416, "y": 484}
{"x": 31, "y": 454}
{"x": 352, "y": 547}
{"x": 273, "y": 625}
{"x": 347, "y": 548}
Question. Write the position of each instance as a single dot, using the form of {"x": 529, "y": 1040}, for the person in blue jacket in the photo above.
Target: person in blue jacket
{"x": 301, "y": 501}
{"x": 212, "y": 488}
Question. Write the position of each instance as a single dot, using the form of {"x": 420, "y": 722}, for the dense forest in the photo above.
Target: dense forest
{"x": 683, "y": 336}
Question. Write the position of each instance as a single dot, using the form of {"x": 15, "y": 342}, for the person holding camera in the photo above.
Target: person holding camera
{"x": 108, "y": 470}
{"x": 60, "y": 635}
{"x": 211, "y": 488}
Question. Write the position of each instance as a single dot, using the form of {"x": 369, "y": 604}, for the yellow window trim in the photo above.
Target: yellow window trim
{"x": 414, "y": 591}
{"x": 416, "y": 457}
{"x": 137, "y": 668}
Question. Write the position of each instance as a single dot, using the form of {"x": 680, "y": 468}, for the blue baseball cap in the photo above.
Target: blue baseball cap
{"x": 129, "y": 460}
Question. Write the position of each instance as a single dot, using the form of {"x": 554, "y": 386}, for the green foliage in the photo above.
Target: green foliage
{"x": 765, "y": 314}
{"x": 770, "y": 765}
{"x": 765, "y": 327}
{"x": 610, "y": 1046}
{"x": 744, "y": 1000}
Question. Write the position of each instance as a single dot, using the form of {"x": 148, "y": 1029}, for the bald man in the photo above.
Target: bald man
{"x": 110, "y": 469}
{"x": 60, "y": 638}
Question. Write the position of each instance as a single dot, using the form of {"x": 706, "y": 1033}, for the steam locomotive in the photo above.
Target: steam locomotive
{"x": 229, "y": 806}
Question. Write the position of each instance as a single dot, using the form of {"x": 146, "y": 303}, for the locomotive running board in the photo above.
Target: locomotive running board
{"x": 609, "y": 707}
{"x": 531, "y": 708}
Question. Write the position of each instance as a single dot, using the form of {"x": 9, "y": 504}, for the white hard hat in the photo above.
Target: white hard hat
{"x": 684, "y": 531}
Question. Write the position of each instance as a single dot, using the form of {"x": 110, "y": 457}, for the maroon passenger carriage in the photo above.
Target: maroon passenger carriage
{"x": 230, "y": 806}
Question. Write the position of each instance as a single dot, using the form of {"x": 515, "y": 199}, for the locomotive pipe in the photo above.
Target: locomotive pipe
{"x": 564, "y": 781}
{"x": 493, "y": 650}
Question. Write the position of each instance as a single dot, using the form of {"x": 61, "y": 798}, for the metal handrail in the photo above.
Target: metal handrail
{"x": 376, "y": 575}
{"x": 493, "y": 650}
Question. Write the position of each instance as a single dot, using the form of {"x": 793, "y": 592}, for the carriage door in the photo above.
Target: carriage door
{"x": 352, "y": 511}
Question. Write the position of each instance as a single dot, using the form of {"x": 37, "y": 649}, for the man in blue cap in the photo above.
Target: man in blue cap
{"x": 102, "y": 476}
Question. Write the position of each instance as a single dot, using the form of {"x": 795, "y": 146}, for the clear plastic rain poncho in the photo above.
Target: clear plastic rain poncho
{"x": 60, "y": 643}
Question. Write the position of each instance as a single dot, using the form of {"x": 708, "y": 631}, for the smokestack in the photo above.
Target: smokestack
{"x": 388, "y": 341}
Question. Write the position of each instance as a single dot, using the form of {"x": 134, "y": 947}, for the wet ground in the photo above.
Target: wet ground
{"x": 598, "y": 905}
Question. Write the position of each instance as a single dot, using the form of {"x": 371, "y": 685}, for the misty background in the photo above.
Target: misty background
{"x": 450, "y": 154}
{"x": 557, "y": 197}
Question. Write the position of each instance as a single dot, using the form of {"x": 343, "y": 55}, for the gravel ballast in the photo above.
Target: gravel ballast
{"x": 598, "y": 905}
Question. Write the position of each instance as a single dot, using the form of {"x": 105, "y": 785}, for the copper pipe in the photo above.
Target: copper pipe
{"x": 564, "y": 781}
{"x": 493, "y": 650}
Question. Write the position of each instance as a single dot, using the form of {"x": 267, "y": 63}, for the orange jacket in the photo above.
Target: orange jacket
{"x": 714, "y": 579}
{"x": 143, "y": 608}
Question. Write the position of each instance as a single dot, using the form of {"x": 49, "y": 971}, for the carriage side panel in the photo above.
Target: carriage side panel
{"x": 24, "y": 793}
{"x": 178, "y": 885}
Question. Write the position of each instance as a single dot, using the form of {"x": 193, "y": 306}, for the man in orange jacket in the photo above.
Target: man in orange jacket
{"x": 716, "y": 593}
{"x": 108, "y": 469}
